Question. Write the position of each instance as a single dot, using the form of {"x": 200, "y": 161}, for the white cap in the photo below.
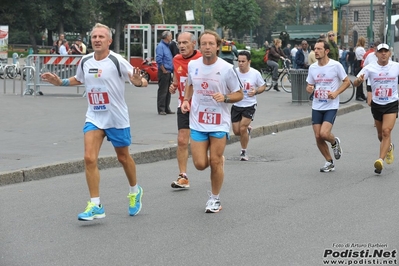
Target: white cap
{"x": 382, "y": 46}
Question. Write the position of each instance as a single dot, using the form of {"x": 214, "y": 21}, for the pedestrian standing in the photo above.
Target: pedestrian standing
{"x": 104, "y": 74}
{"x": 211, "y": 85}
{"x": 383, "y": 99}
{"x": 187, "y": 52}
{"x": 165, "y": 69}
{"x": 324, "y": 81}
{"x": 243, "y": 112}
{"x": 359, "y": 52}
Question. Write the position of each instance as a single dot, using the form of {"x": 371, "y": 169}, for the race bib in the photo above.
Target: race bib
{"x": 383, "y": 94}
{"x": 98, "y": 99}
{"x": 210, "y": 115}
{"x": 321, "y": 93}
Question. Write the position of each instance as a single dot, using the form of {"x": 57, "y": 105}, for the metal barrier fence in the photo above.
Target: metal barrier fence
{"x": 64, "y": 66}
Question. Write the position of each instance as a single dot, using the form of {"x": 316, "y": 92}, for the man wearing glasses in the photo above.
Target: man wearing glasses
{"x": 334, "y": 53}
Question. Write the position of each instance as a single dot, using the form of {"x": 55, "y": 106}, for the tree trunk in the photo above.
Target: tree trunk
{"x": 118, "y": 23}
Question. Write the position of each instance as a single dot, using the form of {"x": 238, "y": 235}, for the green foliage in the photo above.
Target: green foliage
{"x": 236, "y": 15}
{"x": 257, "y": 59}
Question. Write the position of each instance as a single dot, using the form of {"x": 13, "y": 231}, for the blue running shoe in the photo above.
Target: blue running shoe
{"x": 135, "y": 202}
{"x": 91, "y": 212}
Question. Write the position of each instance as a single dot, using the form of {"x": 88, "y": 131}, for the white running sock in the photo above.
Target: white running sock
{"x": 215, "y": 196}
{"x": 95, "y": 201}
{"x": 134, "y": 189}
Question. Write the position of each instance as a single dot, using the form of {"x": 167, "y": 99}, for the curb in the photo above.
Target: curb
{"x": 73, "y": 167}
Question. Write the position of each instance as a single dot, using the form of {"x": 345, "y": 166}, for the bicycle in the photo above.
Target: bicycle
{"x": 284, "y": 76}
{"x": 345, "y": 97}
{"x": 15, "y": 70}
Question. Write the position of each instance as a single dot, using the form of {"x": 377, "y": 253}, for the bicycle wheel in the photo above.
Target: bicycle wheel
{"x": 11, "y": 72}
{"x": 267, "y": 77}
{"x": 348, "y": 94}
{"x": 285, "y": 81}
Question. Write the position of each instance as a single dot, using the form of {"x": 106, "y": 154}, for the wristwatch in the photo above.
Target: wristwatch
{"x": 226, "y": 99}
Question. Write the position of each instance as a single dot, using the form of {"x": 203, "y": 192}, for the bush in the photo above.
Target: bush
{"x": 257, "y": 59}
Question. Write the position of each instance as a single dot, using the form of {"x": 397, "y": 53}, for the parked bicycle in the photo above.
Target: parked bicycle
{"x": 15, "y": 70}
{"x": 284, "y": 76}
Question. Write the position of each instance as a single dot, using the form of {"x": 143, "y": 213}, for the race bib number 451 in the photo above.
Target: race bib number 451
{"x": 98, "y": 99}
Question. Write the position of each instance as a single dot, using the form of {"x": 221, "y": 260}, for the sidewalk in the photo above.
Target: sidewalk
{"x": 42, "y": 136}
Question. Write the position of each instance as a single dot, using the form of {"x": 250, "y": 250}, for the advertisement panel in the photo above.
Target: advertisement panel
{"x": 3, "y": 43}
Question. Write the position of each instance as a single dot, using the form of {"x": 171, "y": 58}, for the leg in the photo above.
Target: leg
{"x": 322, "y": 134}
{"x": 199, "y": 151}
{"x": 163, "y": 88}
{"x": 167, "y": 93}
{"x": 216, "y": 150}
{"x": 128, "y": 164}
{"x": 183, "y": 138}
{"x": 244, "y": 137}
{"x": 93, "y": 140}
{"x": 384, "y": 133}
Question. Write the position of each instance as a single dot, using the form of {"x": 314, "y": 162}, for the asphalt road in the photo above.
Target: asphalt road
{"x": 278, "y": 210}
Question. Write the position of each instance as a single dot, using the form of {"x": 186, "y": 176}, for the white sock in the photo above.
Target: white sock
{"x": 134, "y": 189}
{"x": 215, "y": 196}
{"x": 95, "y": 201}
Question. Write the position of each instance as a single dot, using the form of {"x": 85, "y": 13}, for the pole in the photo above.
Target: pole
{"x": 385, "y": 20}
{"x": 371, "y": 23}
{"x": 203, "y": 4}
{"x": 297, "y": 12}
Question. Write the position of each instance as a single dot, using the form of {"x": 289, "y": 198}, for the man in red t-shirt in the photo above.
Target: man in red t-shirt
{"x": 186, "y": 43}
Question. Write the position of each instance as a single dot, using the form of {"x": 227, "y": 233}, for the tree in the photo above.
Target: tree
{"x": 236, "y": 15}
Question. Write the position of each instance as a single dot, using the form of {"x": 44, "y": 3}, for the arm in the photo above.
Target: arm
{"x": 57, "y": 81}
{"x": 174, "y": 85}
{"x": 229, "y": 98}
{"x": 345, "y": 84}
{"x": 257, "y": 91}
{"x": 188, "y": 93}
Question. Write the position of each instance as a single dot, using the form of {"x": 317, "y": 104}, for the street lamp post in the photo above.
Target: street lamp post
{"x": 297, "y": 12}
{"x": 384, "y": 22}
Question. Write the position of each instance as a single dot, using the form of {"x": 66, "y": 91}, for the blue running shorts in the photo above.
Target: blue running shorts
{"x": 204, "y": 136}
{"x": 118, "y": 137}
{"x": 320, "y": 116}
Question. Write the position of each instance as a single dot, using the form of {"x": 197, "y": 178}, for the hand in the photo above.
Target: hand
{"x": 172, "y": 88}
{"x": 310, "y": 88}
{"x": 185, "y": 107}
{"x": 332, "y": 95}
{"x": 218, "y": 97}
{"x": 360, "y": 79}
{"x": 251, "y": 92}
{"x": 136, "y": 77}
{"x": 51, "y": 78}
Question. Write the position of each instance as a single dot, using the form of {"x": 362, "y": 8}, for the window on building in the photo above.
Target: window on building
{"x": 373, "y": 15}
{"x": 356, "y": 16}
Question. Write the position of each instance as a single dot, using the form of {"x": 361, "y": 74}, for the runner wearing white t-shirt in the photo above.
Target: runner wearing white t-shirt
{"x": 383, "y": 99}
{"x": 324, "y": 81}
{"x": 211, "y": 84}
{"x": 242, "y": 112}
{"x": 104, "y": 74}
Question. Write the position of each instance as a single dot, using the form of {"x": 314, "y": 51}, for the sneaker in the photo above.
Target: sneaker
{"x": 181, "y": 182}
{"x": 337, "y": 148}
{"x": 328, "y": 167}
{"x": 213, "y": 205}
{"x": 389, "y": 158}
{"x": 244, "y": 156}
{"x": 378, "y": 165}
{"x": 135, "y": 202}
{"x": 91, "y": 212}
